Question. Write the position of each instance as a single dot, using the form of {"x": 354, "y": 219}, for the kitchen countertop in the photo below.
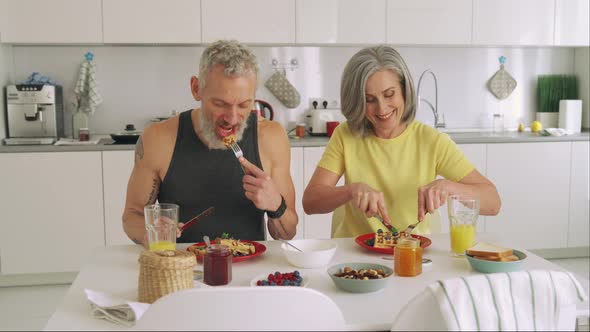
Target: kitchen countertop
{"x": 460, "y": 137}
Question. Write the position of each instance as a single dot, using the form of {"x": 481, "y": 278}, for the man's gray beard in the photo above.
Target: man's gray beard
{"x": 207, "y": 131}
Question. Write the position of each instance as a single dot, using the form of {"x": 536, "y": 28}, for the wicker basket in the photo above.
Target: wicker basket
{"x": 164, "y": 272}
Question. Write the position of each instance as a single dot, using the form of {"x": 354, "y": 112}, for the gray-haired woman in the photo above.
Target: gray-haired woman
{"x": 390, "y": 161}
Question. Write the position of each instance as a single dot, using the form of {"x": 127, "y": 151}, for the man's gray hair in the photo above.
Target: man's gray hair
{"x": 236, "y": 58}
{"x": 354, "y": 80}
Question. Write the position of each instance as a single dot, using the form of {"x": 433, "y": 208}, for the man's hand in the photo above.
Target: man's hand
{"x": 369, "y": 201}
{"x": 259, "y": 187}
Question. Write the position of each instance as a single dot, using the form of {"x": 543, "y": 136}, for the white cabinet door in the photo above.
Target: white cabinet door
{"x": 476, "y": 153}
{"x": 340, "y": 21}
{"x": 533, "y": 182}
{"x": 116, "y": 169}
{"x": 253, "y": 21}
{"x": 52, "y": 211}
{"x": 429, "y": 22}
{"x": 572, "y": 23}
{"x": 513, "y": 22}
{"x": 579, "y": 196}
{"x": 317, "y": 226}
{"x": 56, "y": 21}
{"x": 152, "y": 21}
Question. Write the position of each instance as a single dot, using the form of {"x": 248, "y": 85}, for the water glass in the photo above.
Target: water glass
{"x": 161, "y": 222}
{"x": 463, "y": 214}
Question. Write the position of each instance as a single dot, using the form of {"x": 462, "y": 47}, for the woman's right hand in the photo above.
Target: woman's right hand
{"x": 369, "y": 201}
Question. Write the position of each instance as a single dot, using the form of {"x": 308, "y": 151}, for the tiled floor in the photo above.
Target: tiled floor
{"x": 29, "y": 308}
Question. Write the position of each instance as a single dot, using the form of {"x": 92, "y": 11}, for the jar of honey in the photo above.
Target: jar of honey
{"x": 407, "y": 259}
{"x": 217, "y": 265}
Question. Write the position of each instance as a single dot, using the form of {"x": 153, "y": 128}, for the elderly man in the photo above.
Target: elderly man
{"x": 185, "y": 160}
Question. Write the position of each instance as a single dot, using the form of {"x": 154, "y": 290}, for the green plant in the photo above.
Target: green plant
{"x": 553, "y": 88}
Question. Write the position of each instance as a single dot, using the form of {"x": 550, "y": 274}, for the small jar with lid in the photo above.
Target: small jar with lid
{"x": 217, "y": 265}
{"x": 300, "y": 130}
{"x": 84, "y": 134}
{"x": 407, "y": 257}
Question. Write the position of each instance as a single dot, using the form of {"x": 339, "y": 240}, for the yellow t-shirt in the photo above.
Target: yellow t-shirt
{"x": 397, "y": 167}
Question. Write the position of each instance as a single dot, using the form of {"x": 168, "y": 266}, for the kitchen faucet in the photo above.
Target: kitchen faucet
{"x": 437, "y": 121}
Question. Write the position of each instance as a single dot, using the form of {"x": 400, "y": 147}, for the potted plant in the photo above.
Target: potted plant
{"x": 550, "y": 90}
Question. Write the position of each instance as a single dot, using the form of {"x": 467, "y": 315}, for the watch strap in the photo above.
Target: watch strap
{"x": 280, "y": 211}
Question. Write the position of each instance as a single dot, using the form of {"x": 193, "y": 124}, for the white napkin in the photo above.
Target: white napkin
{"x": 72, "y": 141}
{"x": 114, "y": 309}
{"x": 86, "y": 94}
{"x": 523, "y": 300}
{"x": 554, "y": 132}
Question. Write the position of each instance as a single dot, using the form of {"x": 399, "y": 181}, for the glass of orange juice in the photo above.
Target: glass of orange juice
{"x": 463, "y": 214}
{"x": 161, "y": 222}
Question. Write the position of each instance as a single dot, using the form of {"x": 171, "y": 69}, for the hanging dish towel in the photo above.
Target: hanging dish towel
{"x": 516, "y": 301}
{"x": 86, "y": 94}
{"x": 502, "y": 83}
{"x": 281, "y": 88}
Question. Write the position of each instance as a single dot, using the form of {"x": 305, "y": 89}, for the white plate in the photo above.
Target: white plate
{"x": 253, "y": 282}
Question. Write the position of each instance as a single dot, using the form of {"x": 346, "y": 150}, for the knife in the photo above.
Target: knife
{"x": 201, "y": 215}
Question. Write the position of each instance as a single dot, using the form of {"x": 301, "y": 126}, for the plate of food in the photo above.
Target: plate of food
{"x": 385, "y": 242}
{"x": 241, "y": 249}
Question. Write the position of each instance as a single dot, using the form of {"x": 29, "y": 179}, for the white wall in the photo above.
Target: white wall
{"x": 582, "y": 65}
{"x": 140, "y": 82}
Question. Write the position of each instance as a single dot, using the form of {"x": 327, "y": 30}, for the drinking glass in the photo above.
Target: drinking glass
{"x": 463, "y": 214}
{"x": 161, "y": 222}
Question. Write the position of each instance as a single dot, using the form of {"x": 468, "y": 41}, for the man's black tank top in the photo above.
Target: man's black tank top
{"x": 198, "y": 178}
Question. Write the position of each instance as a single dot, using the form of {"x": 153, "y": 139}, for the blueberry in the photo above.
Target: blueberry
{"x": 296, "y": 273}
{"x": 264, "y": 283}
{"x": 277, "y": 274}
{"x": 272, "y": 283}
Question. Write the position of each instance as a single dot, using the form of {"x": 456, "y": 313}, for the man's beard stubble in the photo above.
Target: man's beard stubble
{"x": 207, "y": 131}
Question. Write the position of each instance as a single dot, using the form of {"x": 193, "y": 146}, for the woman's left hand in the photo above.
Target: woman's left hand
{"x": 432, "y": 196}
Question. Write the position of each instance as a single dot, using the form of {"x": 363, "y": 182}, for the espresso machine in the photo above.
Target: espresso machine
{"x": 34, "y": 114}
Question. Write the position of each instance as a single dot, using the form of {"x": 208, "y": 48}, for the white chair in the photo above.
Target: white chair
{"x": 243, "y": 308}
{"x": 424, "y": 313}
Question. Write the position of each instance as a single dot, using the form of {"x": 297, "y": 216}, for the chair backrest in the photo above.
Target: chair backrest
{"x": 243, "y": 308}
{"x": 473, "y": 301}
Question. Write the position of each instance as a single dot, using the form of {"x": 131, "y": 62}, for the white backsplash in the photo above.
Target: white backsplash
{"x": 141, "y": 82}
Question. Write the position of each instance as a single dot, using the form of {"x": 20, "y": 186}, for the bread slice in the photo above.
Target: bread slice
{"x": 510, "y": 258}
{"x": 484, "y": 249}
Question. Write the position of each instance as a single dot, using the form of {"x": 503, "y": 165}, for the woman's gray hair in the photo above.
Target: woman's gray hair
{"x": 354, "y": 80}
{"x": 236, "y": 58}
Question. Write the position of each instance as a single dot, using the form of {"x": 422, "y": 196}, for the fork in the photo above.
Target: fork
{"x": 238, "y": 152}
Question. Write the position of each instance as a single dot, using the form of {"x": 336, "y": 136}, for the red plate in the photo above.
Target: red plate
{"x": 361, "y": 240}
{"x": 258, "y": 247}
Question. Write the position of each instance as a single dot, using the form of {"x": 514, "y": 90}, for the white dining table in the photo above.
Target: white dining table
{"x": 114, "y": 270}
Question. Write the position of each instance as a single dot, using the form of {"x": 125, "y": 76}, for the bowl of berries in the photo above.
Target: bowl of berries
{"x": 293, "y": 278}
{"x": 360, "y": 277}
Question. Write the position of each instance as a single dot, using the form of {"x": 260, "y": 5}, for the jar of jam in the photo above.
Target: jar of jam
{"x": 300, "y": 130}
{"x": 407, "y": 257}
{"x": 217, "y": 265}
{"x": 84, "y": 134}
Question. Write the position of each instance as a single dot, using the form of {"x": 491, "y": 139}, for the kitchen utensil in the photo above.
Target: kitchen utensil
{"x": 408, "y": 231}
{"x": 200, "y": 216}
{"x": 128, "y": 136}
{"x": 238, "y": 152}
{"x": 207, "y": 241}
{"x": 263, "y": 109}
{"x": 290, "y": 245}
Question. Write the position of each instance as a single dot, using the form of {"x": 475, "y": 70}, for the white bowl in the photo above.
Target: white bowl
{"x": 316, "y": 253}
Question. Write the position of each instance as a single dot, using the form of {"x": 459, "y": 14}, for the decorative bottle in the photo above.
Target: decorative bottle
{"x": 79, "y": 120}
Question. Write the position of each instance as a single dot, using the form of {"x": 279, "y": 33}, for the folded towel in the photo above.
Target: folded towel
{"x": 86, "y": 94}
{"x": 554, "y": 132}
{"x": 114, "y": 309}
{"x": 523, "y": 300}
{"x": 73, "y": 141}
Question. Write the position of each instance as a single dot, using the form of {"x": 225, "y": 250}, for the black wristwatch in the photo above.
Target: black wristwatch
{"x": 280, "y": 211}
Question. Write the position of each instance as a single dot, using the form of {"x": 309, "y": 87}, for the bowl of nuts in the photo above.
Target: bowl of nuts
{"x": 360, "y": 277}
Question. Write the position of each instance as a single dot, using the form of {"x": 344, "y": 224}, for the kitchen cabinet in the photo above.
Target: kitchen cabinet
{"x": 340, "y": 21}
{"x": 431, "y": 22}
{"x": 56, "y": 21}
{"x": 253, "y": 21}
{"x": 533, "y": 180}
{"x": 572, "y": 23}
{"x": 52, "y": 211}
{"x": 152, "y": 21}
{"x": 513, "y": 22}
{"x": 317, "y": 226}
{"x": 116, "y": 169}
{"x": 579, "y": 202}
